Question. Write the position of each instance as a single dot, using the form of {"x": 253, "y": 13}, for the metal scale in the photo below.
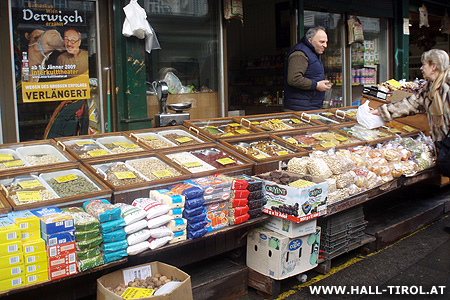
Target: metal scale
{"x": 163, "y": 118}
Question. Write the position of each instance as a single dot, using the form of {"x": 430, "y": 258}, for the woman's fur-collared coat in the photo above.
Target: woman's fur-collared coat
{"x": 419, "y": 103}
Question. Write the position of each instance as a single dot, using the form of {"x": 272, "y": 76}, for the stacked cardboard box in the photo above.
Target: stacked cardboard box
{"x": 58, "y": 232}
{"x": 12, "y": 268}
{"x": 35, "y": 256}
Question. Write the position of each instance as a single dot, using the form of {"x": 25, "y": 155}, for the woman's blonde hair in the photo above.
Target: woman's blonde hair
{"x": 437, "y": 57}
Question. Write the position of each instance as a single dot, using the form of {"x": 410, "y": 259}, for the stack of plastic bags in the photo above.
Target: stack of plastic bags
{"x": 135, "y": 229}
{"x": 193, "y": 209}
{"x": 176, "y": 203}
{"x": 157, "y": 220}
{"x": 87, "y": 239}
{"x": 112, "y": 225}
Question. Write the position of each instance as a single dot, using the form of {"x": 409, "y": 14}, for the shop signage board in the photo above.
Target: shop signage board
{"x": 53, "y": 56}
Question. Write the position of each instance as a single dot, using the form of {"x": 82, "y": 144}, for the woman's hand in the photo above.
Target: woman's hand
{"x": 375, "y": 112}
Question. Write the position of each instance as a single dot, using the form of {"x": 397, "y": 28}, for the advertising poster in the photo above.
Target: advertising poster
{"x": 52, "y": 51}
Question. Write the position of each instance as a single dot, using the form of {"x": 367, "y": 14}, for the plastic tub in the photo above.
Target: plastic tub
{"x": 119, "y": 144}
{"x": 86, "y": 148}
{"x": 182, "y": 142}
{"x": 154, "y": 174}
{"x": 38, "y": 150}
{"x": 10, "y": 159}
{"x": 153, "y": 140}
{"x": 67, "y": 174}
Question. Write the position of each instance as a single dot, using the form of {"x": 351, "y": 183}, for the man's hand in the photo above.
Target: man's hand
{"x": 323, "y": 85}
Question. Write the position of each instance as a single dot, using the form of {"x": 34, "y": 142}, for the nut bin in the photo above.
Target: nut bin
{"x": 319, "y": 138}
{"x": 371, "y": 136}
{"x": 33, "y": 156}
{"x": 209, "y": 159}
{"x": 135, "y": 175}
{"x": 328, "y": 117}
{"x": 267, "y": 152}
{"x": 219, "y": 128}
{"x": 278, "y": 121}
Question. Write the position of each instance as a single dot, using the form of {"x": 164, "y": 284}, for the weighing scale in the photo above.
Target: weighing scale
{"x": 163, "y": 118}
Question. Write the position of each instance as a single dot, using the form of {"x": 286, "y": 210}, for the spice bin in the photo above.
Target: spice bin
{"x": 267, "y": 152}
{"x": 319, "y": 138}
{"x": 134, "y": 176}
{"x": 111, "y": 144}
{"x": 279, "y": 121}
{"x": 155, "y": 139}
{"x": 327, "y": 117}
{"x": 218, "y": 128}
{"x": 33, "y": 156}
{"x": 209, "y": 159}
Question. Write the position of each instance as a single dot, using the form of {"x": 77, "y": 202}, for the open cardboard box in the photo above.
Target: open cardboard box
{"x": 182, "y": 292}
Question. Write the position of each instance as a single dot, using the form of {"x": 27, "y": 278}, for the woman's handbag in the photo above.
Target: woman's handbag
{"x": 443, "y": 155}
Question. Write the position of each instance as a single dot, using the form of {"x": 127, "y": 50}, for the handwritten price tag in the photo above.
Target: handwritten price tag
{"x": 225, "y": 161}
{"x": 125, "y": 145}
{"x": 124, "y": 175}
{"x": 29, "y": 196}
{"x": 162, "y": 174}
{"x": 95, "y": 153}
{"x": 149, "y": 137}
{"x": 183, "y": 140}
{"x": 4, "y": 157}
{"x": 85, "y": 143}
{"x": 29, "y": 184}
{"x": 13, "y": 163}
{"x": 192, "y": 164}
{"x": 65, "y": 178}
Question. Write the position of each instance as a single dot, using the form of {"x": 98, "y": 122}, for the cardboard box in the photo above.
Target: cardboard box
{"x": 11, "y": 248}
{"x": 183, "y": 291}
{"x": 62, "y": 271}
{"x": 278, "y": 256}
{"x": 11, "y": 260}
{"x": 33, "y": 246}
{"x": 28, "y": 235}
{"x": 25, "y": 220}
{"x": 33, "y": 258}
{"x": 289, "y": 228}
{"x": 62, "y": 259}
{"x": 53, "y": 219}
{"x": 312, "y": 200}
{"x": 12, "y": 271}
{"x": 57, "y": 238}
{"x": 61, "y": 249}
{"x": 36, "y": 268}
{"x": 37, "y": 277}
{"x": 12, "y": 283}
{"x": 9, "y": 231}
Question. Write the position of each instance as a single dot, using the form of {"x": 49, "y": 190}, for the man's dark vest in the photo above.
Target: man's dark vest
{"x": 297, "y": 99}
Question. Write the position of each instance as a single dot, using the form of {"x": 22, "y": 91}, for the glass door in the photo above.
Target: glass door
{"x": 332, "y": 58}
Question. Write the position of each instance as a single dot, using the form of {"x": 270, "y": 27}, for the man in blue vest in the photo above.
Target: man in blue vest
{"x": 304, "y": 83}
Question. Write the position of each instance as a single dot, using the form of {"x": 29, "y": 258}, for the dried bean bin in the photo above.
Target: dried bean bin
{"x": 102, "y": 139}
{"x": 84, "y": 148}
{"x": 99, "y": 189}
{"x": 310, "y": 139}
{"x": 369, "y": 136}
{"x": 127, "y": 193}
{"x": 176, "y": 136}
{"x": 221, "y": 128}
{"x": 32, "y": 187}
{"x": 264, "y": 161}
{"x": 15, "y": 157}
{"x": 327, "y": 117}
{"x": 237, "y": 164}
{"x": 277, "y": 121}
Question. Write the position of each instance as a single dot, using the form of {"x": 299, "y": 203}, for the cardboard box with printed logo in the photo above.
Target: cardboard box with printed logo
{"x": 36, "y": 277}
{"x": 12, "y": 283}
{"x": 289, "y": 228}
{"x": 12, "y": 271}
{"x": 11, "y": 260}
{"x": 11, "y": 248}
{"x": 35, "y": 257}
{"x": 62, "y": 271}
{"x": 278, "y": 256}
{"x": 36, "y": 245}
{"x": 26, "y": 220}
{"x": 36, "y": 267}
{"x": 53, "y": 220}
{"x": 9, "y": 231}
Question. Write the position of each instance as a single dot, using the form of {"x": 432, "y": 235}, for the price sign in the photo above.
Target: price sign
{"x": 327, "y": 114}
{"x": 304, "y": 145}
{"x": 84, "y": 143}
{"x": 125, "y": 175}
{"x": 327, "y": 144}
{"x": 228, "y": 134}
{"x": 260, "y": 156}
{"x": 65, "y": 178}
{"x": 4, "y": 157}
{"x": 394, "y": 130}
{"x": 162, "y": 174}
{"x": 95, "y": 153}
{"x": 408, "y": 128}
{"x": 225, "y": 161}
{"x": 242, "y": 131}
{"x": 149, "y": 137}
{"x": 341, "y": 138}
{"x": 29, "y": 196}
{"x": 352, "y": 114}
{"x": 125, "y": 145}
{"x": 137, "y": 293}
{"x": 183, "y": 140}
{"x": 29, "y": 184}
{"x": 280, "y": 153}
{"x": 192, "y": 164}
{"x": 13, "y": 163}
{"x": 276, "y": 121}
{"x": 234, "y": 124}
{"x": 255, "y": 123}
{"x": 292, "y": 140}
{"x": 210, "y": 126}
{"x": 296, "y": 121}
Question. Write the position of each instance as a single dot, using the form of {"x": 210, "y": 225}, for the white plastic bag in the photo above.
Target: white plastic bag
{"x": 366, "y": 119}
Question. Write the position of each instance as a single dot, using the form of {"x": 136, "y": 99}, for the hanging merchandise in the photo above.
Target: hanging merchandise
{"x": 233, "y": 9}
{"x": 423, "y": 16}
{"x": 355, "y": 31}
{"x": 136, "y": 24}
{"x": 446, "y": 23}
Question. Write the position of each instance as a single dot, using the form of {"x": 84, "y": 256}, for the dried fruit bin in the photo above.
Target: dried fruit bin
{"x": 327, "y": 117}
{"x": 278, "y": 121}
{"x": 266, "y": 151}
{"x": 219, "y": 128}
{"x": 99, "y": 189}
{"x": 349, "y": 111}
{"x": 400, "y": 128}
{"x": 320, "y": 138}
{"x": 134, "y": 176}
{"x": 155, "y": 139}
{"x": 209, "y": 159}
{"x": 111, "y": 145}
{"x": 371, "y": 136}
{"x": 33, "y": 156}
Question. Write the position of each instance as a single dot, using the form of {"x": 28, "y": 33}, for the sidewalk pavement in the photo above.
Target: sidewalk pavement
{"x": 407, "y": 269}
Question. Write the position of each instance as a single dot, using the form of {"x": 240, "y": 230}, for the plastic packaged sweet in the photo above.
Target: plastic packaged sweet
{"x": 298, "y": 165}
{"x": 331, "y": 185}
{"x": 409, "y": 168}
{"x": 339, "y": 164}
{"x": 318, "y": 167}
{"x": 102, "y": 209}
{"x": 345, "y": 179}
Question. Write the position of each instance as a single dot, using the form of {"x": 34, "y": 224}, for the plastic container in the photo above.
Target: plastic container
{"x": 68, "y": 173}
{"x": 119, "y": 144}
{"x": 38, "y": 150}
{"x": 86, "y": 148}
